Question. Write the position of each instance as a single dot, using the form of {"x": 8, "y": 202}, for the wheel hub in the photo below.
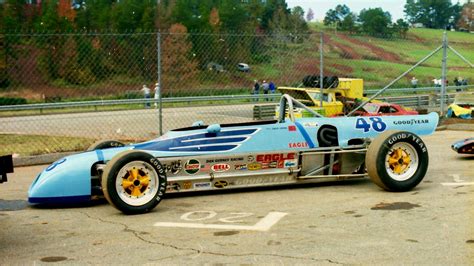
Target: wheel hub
{"x": 399, "y": 161}
{"x": 135, "y": 182}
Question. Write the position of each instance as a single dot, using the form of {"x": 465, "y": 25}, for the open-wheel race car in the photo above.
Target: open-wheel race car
{"x": 134, "y": 178}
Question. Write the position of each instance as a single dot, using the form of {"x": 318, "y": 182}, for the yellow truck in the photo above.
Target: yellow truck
{"x": 333, "y": 98}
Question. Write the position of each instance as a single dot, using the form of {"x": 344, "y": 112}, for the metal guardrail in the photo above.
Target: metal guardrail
{"x": 415, "y": 100}
{"x": 58, "y": 105}
{"x": 424, "y": 89}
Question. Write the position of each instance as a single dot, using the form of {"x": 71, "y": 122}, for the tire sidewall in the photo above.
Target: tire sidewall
{"x": 422, "y": 152}
{"x": 112, "y": 175}
{"x": 105, "y": 144}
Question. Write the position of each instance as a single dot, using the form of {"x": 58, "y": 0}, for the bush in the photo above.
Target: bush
{"x": 12, "y": 101}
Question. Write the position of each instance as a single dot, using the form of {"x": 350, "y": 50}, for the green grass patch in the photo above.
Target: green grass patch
{"x": 28, "y": 145}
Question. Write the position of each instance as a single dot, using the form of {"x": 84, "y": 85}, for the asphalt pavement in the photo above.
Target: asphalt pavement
{"x": 331, "y": 223}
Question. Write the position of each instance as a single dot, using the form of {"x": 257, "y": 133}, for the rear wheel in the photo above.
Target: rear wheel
{"x": 134, "y": 182}
{"x": 397, "y": 160}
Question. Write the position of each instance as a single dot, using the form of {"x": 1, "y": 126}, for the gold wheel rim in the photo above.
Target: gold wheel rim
{"x": 399, "y": 160}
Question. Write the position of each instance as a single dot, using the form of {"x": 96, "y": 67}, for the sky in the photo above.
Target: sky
{"x": 320, "y": 7}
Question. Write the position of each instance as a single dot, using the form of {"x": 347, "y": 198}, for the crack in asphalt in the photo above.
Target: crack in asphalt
{"x": 198, "y": 252}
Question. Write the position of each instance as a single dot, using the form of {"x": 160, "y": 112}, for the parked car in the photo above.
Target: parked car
{"x": 134, "y": 178}
{"x": 382, "y": 108}
{"x": 243, "y": 67}
{"x": 215, "y": 67}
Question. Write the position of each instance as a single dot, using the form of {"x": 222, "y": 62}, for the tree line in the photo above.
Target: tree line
{"x": 83, "y": 59}
{"x": 151, "y": 15}
{"x": 440, "y": 14}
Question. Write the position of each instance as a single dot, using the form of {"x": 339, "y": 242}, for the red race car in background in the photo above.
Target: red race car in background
{"x": 381, "y": 108}
{"x": 371, "y": 109}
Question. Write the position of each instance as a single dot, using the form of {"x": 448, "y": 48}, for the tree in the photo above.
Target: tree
{"x": 401, "y": 27}
{"x": 310, "y": 15}
{"x": 437, "y": 14}
{"x": 178, "y": 64}
{"x": 375, "y": 21}
{"x": 12, "y": 14}
{"x": 348, "y": 23}
{"x": 337, "y": 15}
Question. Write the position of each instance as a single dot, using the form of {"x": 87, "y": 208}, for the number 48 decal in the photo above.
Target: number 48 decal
{"x": 376, "y": 123}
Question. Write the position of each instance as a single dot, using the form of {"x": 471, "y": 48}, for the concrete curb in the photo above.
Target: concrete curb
{"x": 39, "y": 159}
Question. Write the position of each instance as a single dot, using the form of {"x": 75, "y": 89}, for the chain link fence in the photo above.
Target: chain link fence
{"x": 77, "y": 67}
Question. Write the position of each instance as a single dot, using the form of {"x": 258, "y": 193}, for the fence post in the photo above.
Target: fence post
{"x": 443, "y": 73}
{"x": 158, "y": 58}
{"x": 321, "y": 73}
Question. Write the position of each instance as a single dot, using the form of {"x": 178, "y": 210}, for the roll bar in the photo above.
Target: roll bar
{"x": 288, "y": 101}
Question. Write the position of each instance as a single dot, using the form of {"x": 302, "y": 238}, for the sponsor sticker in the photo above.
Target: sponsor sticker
{"x": 289, "y": 163}
{"x": 192, "y": 166}
{"x": 241, "y": 167}
{"x": 254, "y": 166}
{"x": 202, "y": 185}
{"x": 221, "y": 184}
{"x": 173, "y": 167}
{"x": 267, "y": 158}
{"x": 294, "y": 145}
{"x": 221, "y": 167}
{"x": 187, "y": 185}
{"x": 173, "y": 187}
{"x": 263, "y": 180}
{"x": 291, "y": 128}
{"x": 310, "y": 124}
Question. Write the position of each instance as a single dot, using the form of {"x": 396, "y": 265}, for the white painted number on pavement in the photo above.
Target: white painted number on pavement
{"x": 457, "y": 181}
{"x": 263, "y": 225}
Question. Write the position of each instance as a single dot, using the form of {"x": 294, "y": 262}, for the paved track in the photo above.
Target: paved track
{"x": 123, "y": 124}
{"x": 344, "y": 223}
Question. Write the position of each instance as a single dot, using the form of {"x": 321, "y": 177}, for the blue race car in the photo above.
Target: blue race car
{"x": 465, "y": 146}
{"x": 134, "y": 178}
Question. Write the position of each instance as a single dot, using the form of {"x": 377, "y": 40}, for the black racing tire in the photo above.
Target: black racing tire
{"x": 134, "y": 182}
{"x": 397, "y": 160}
{"x": 105, "y": 144}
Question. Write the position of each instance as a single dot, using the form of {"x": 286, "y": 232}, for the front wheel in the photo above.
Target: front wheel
{"x": 134, "y": 182}
{"x": 397, "y": 160}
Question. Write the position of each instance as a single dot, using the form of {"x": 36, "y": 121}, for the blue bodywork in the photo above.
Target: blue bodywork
{"x": 69, "y": 179}
{"x": 465, "y": 146}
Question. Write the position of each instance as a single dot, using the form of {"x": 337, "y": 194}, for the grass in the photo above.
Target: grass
{"x": 28, "y": 145}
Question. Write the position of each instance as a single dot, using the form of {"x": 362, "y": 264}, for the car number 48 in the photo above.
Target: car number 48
{"x": 374, "y": 123}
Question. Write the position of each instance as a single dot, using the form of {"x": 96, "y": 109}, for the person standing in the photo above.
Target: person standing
{"x": 414, "y": 83}
{"x": 157, "y": 94}
{"x": 272, "y": 87}
{"x": 256, "y": 89}
{"x": 146, "y": 93}
{"x": 266, "y": 88}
